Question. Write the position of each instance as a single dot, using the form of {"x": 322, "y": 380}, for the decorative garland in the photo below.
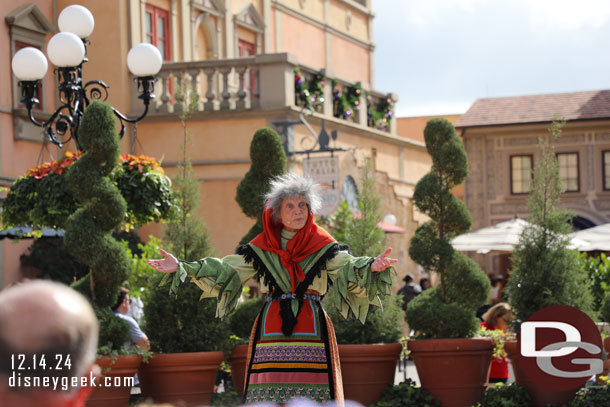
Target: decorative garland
{"x": 380, "y": 115}
{"x": 309, "y": 94}
{"x": 346, "y": 100}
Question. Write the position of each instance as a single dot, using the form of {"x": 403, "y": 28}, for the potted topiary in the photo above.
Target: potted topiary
{"x": 545, "y": 271}
{"x": 368, "y": 353}
{"x": 451, "y": 365}
{"x": 187, "y": 341}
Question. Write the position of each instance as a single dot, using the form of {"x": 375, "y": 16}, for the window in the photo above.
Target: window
{"x": 247, "y": 49}
{"x": 520, "y": 173}
{"x": 156, "y": 27}
{"x": 568, "y": 171}
{"x": 606, "y": 169}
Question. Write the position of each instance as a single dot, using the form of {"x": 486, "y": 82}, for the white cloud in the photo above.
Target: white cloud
{"x": 568, "y": 14}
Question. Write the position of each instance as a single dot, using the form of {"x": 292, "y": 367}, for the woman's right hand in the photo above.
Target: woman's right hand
{"x": 168, "y": 264}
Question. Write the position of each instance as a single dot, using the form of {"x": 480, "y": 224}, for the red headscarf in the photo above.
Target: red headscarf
{"x": 308, "y": 240}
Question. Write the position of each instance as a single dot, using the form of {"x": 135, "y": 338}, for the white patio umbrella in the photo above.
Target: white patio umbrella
{"x": 500, "y": 238}
{"x": 598, "y": 238}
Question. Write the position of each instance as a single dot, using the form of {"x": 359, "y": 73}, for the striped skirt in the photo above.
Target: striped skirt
{"x": 303, "y": 365}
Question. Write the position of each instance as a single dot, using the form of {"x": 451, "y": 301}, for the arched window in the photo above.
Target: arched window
{"x": 349, "y": 193}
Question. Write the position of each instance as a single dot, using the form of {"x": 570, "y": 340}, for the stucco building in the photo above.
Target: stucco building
{"x": 501, "y": 135}
{"x": 239, "y": 58}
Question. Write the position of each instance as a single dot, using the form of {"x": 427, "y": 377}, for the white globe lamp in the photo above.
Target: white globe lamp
{"x": 66, "y": 49}
{"x": 144, "y": 60}
{"x": 29, "y": 64}
{"x": 77, "y": 20}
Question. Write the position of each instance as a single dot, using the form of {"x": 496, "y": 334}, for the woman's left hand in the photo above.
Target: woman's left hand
{"x": 382, "y": 262}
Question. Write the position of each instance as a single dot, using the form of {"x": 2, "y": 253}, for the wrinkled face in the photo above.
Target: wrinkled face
{"x": 293, "y": 213}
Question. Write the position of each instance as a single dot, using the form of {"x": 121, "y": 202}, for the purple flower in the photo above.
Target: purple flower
{"x": 390, "y": 113}
{"x": 357, "y": 107}
{"x": 299, "y": 82}
{"x": 312, "y": 100}
{"x": 348, "y": 113}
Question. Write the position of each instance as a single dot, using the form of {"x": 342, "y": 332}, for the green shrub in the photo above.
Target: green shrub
{"x": 268, "y": 160}
{"x": 448, "y": 311}
{"x": 598, "y": 269}
{"x": 597, "y": 396}
{"x": 501, "y": 395}
{"x": 380, "y": 326}
{"x": 183, "y": 323}
{"x": 406, "y": 394}
{"x": 545, "y": 271}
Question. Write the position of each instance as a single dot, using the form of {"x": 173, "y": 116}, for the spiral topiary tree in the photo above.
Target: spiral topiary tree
{"x": 88, "y": 235}
{"x": 447, "y": 310}
{"x": 268, "y": 161}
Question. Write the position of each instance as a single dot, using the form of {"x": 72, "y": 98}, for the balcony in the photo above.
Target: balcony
{"x": 271, "y": 82}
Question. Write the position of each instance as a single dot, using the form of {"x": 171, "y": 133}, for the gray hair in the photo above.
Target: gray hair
{"x": 289, "y": 185}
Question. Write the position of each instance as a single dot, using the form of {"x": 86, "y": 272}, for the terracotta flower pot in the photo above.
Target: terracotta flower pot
{"x": 367, "y": 370}
{"x": 454, "y": 371}
{"x": 540, "y": 395}
{"x": 238, "y": 367}
{"x": 116, "y": 369}
{"x": 186, "y": 378}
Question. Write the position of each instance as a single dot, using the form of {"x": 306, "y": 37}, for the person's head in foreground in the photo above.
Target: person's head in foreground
{"x": 48, "y": 342}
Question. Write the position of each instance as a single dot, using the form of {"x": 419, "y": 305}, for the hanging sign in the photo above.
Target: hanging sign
{"x": 324, "y": 171}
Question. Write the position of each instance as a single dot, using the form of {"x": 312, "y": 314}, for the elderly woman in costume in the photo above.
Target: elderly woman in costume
{"x": 293, "y": 351}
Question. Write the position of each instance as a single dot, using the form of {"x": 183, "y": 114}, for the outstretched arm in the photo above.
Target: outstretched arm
{"x": 382, "y": 262}
{"x": 169, "y": 264}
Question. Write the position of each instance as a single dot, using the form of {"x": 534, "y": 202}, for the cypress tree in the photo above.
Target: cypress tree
{"x": 447, "y": 310}
{"x": 268, "y": 160}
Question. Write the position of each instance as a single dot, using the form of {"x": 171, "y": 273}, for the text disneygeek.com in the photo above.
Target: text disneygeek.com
{"x": 67, "y": 383}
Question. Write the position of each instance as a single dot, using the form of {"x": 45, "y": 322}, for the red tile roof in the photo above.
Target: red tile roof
{"x": 537, "y": 108}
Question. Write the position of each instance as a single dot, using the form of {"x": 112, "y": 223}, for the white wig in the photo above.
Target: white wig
{"x": 290, "y": 185}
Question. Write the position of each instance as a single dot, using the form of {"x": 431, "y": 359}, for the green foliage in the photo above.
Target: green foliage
{"x": 243, "y": 318}
{"x": 592, "y": 397}
{"x": 604, "y": 310}
{"x": 381, "y": 326}
{"x": 406, "y": 394}
{"x": 141, "y": 273}
{"x": 501, "y": 395}
{"x": 309, "y": 93}
{"x": 447, "y": 311}
{"x": 363, "y": 235}
{"x": 341, "y": 221}
{"x": 88, "y": 230}
{"x": 185, "y": 234}
{"x": 379, "y": 115}
{"x": 434, "y": 318}
{"x": 183, "y": 323}
{"x": 228, "y": 398}
{"x": 346, "y": 100}
{"x": 598, "y": 269}
{"x": 49, "y": 255}
{"x": 545, "y": 272}
{"x": 268, "y": 160}
{"x": 114, "y": 332}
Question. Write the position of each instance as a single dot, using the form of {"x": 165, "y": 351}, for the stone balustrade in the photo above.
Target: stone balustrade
{"x": 264, "y": 82}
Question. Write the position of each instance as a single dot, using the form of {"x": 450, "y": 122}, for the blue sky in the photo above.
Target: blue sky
{"x": 439, "y": 56}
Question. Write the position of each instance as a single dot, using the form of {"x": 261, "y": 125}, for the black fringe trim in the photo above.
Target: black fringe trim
{"x": 289, "y": 320}
{"x": 262, "y": 273}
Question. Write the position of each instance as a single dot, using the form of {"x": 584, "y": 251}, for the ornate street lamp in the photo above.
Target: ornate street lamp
{"x": 67, "y": 51}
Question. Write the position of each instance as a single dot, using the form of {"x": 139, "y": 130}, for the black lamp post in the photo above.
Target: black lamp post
{"x": 67, "y": 51}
